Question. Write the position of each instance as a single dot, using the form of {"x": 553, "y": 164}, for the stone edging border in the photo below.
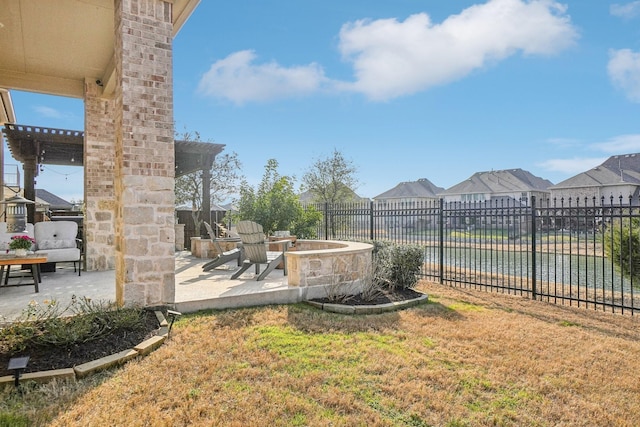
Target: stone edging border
{"x": 88, "y": 368}
{"x": 368, "y": 309}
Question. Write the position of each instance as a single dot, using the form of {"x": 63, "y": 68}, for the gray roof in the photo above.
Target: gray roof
{"x": 501, "y": 181}
{"x": 54, "y": 202}
{"x": 422, "y": 188}
{"x": 615, "y": 170}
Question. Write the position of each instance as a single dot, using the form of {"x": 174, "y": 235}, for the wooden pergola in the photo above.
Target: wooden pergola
{"x": 35, "y": 145}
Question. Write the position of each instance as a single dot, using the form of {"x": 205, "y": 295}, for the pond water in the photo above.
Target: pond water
{"x": 588, "y": 271}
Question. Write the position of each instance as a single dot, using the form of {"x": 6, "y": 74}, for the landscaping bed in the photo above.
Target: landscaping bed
{"x": 385, "y": 296}
{"x": 43, "y": 357}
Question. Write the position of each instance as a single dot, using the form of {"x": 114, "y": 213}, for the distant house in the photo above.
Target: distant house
{"x": 410, "y": 193}
{"x": 618, "y": 176}
{"x": 510, "y": 187}
{"x": 46, "y": 204}
{"x": 406, "y": 195}
{"x": 514, "y": 185}
{"x": 52, "y": 202}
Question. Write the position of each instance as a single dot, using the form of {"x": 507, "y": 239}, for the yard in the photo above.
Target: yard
{"x": 466, "y": 358}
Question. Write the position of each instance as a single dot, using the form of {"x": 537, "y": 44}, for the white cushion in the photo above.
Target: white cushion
{"x": 58, "y": 240}
{"x": 56, "y": 244}
{"x": 61, "y": 255}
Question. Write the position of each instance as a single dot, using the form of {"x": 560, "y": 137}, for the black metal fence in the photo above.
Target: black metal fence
{"x": 551, "y": 250}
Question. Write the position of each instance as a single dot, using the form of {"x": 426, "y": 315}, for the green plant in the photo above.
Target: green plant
{"x": 21, "y": 242}
{"x": 275, "y": 206}
{"x": 622, "y": 246}
{"x": 371, "y": 288}
{"x": 397, "y": 266}
{"x": 83, "y": 320}
{"x": 304, "y": 227}
{"x": 13, "y": 420}
{"x": 340, "y": 291}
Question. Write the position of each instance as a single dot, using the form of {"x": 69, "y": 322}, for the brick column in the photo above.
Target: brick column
{"x": 99, "y": 193}
{"x": 145, "y": 165}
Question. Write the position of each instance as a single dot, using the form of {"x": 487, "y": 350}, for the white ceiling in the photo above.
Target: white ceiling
{"x": 51, "y": 46}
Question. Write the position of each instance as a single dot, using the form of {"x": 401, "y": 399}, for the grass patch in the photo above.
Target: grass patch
{"x": 424, "y": 366}
{"x": 568, "y": 323}
{"x": 465, "y": 306}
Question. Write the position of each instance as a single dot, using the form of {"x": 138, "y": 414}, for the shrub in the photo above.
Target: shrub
{"x": 622, "y": 246}
{"x": 397, "y": 266}
{"x": 394, "y": 267}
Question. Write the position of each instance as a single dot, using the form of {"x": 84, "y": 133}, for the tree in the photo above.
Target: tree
{"x": 225, "y": 181}
{"x": 275, "y": 205}
{"x": 331, "y": 179}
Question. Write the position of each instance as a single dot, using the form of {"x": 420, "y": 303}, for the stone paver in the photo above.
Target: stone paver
{"x": 194, "y": 287}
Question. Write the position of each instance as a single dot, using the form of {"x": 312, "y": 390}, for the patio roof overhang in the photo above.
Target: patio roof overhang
{"x": 7, "y": 113}
{"x": 54, "y": 46}
{"x": 50, "y": 146}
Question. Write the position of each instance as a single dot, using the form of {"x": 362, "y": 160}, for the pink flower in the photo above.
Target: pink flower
{"x": 21, "y": 242}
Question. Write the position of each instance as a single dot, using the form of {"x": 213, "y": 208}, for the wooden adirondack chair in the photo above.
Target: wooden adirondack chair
{"x": 254, "y": 243}
{"x": 223, "y": 256}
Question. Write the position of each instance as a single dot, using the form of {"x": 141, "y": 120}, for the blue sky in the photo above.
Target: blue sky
{"x": 405, "y": 89}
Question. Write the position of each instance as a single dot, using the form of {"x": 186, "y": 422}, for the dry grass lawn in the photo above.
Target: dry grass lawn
{"x": 466, "y": 358}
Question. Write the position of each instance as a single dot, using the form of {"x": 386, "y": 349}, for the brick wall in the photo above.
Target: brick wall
{"x": 99, "y": 161}
{"x": 145, "y": 166}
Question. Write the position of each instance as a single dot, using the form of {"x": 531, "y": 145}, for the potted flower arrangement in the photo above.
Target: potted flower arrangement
{"x": 21, "y": 244}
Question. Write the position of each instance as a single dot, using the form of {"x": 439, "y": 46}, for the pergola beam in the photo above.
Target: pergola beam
{"x": 35, "y": 145}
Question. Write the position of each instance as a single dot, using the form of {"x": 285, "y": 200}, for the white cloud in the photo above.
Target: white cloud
{"x": 624, "y": 72}
{"x": 237, "y": 79}
{"x": 50, "y": 112}
{"x": 622, "y": 144}
{"x": 393, "y": 58}
{"x": 572, "y": 166}
{"x": 626, "y": 11}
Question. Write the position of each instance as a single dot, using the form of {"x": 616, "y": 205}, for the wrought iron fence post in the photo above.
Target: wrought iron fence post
{"x": 371, "y": 220}
{"x": 441, "y": 242}
{"x": 534, "y": 270}
{"x": 326, "y": 220}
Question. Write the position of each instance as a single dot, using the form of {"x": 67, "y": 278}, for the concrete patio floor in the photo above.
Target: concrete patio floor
{"x": 195, "y": 289}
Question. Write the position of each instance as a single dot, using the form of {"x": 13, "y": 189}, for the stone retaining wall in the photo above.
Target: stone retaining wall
{"x": 328, "y": 262}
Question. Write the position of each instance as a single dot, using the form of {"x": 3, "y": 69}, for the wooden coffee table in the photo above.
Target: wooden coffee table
{"x": 31, "y": 261}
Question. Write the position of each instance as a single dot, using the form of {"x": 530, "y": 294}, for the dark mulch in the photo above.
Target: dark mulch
{"x": 386, "y": 296}
{"x": 59, "y": 357}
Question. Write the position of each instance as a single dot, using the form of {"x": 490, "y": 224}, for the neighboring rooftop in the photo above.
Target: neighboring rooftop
{"x": 624, "y": 168}
{"x": 422, "y": 188}
{"x": 500, "y": 181}
{"x": 55, "y": 203}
